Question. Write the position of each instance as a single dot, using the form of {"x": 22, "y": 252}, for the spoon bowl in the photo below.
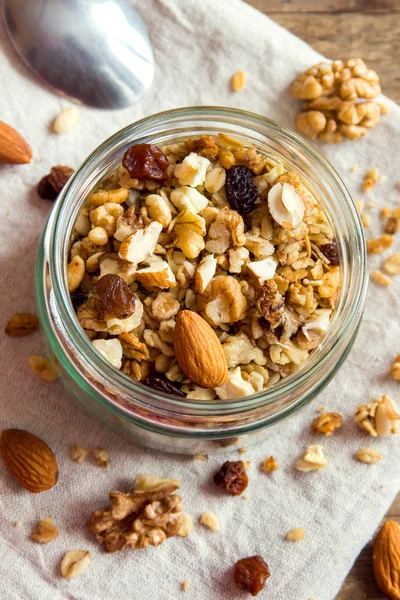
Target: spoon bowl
{"x": 95, "y": 52}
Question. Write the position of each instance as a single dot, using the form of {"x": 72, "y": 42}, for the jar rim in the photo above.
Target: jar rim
{"x": 352, "y": 304}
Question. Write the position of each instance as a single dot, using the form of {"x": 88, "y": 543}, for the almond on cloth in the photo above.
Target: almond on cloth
{"x": 198, "y": 350}
{"x": 29, "y": 460}
{"x": 386, "y": 560}
{"x": 13, "y": 148}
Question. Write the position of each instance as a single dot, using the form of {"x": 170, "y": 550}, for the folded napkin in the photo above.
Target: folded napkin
{"x": 198, "y": 45}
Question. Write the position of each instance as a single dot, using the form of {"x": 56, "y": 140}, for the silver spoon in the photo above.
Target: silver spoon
{"x": 96, "y": 52}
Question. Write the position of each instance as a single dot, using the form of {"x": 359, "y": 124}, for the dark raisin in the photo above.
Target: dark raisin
{"x": 241, "y": 192}
{"x": 331, "y": 252}
{"x": 51, "y": 185}
{"x": 145, "y": 161}
{"x": 78, "y": 297}
{"x": 251, "y": 574}
{"x": 116, "y": 298}
{"x": 163, "y": 385}
{"x": 232, "y": 477}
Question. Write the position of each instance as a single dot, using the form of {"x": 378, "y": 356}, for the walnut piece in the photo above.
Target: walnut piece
{"x": 132, "y": 347}
{"x": 339, "y": 101}
{"x": 241, "y": 350}
{"x": 327, "y": 423}
{"x": 138, "y": 519}
{"x": 46, "y": 531}
{"x": 190, "y": 230}
{"x": 223, "y": 301}
{"x": 379, "y": 418}
{"x": 187, "y": 525}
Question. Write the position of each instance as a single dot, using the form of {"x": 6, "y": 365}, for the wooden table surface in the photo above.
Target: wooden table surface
{"x": 340, "y": 29}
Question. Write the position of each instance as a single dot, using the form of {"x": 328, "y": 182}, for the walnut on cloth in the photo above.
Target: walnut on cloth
{"x": 139, "y": 519}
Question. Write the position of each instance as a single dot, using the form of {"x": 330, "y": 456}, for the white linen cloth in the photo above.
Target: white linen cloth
{"x": 198, "y": 45}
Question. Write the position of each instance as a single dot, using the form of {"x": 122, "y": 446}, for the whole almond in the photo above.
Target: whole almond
{"x": 386, "y": 560}
{"x": 13, "y": 148}
{"x": 29, "y": 460}
{"x": 198, "y": 350}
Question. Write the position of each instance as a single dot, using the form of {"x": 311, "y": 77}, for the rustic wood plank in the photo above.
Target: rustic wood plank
{"x": 374, "y": 37}
{"x": 325, "y": 6}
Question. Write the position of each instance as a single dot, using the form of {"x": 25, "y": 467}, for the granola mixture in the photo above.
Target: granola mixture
{"x": 208, "y": 225}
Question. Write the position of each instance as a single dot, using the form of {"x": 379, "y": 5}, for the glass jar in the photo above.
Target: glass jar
{"x": 156, "y": 419}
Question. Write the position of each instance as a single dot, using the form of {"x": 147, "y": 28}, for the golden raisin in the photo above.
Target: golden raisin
{"x": 251, "y": 574}
{"x": 232, "y": 477}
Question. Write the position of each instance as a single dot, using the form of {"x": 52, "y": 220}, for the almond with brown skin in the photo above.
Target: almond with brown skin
{"x": 386, "y": 560}
{"x": 29, "y": 460}
{"x": 198, "y": 350}
{"x": 13, "y": 148}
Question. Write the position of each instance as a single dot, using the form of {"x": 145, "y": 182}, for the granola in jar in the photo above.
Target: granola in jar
{"x": 208, "y": 226}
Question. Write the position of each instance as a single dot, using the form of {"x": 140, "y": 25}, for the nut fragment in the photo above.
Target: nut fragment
{"x": 67, "y": 119}
{"x": 22, "y": 324}
{"x": 102, "y": 457}
{"x": 369, "y": 456}
{"x": 286, "y": 206}
{"x": 74, "y": 563}
{"x": 78, "y": 454}
{"x": 42, "y": 368}
{"x": 187, "y": 525}
{"x": 296, "y": 535}
{"x": 46, "y": 531}
{"x": 377, "y": 246}
{"x": 75, "y": 273}
{"x": 269, "y": 464}
{"x": 381, "y": 279}
{"x": 210, "y": 520}
{"x": 313, "y": 459}
{"x": 185, "y": 585}
{"x": 139, "y": 519}
{"x": 327, "y": 423}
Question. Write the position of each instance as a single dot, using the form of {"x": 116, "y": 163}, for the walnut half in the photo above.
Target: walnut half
{"x": 140, "y": 519}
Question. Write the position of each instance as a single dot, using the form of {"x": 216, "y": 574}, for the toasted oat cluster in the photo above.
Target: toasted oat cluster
{"x": 209, "y": 225}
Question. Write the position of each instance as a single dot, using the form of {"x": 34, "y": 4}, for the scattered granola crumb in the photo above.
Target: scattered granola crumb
{"x": 79, "y": 454}
{"x": 269, "y": 464}
{"x": 45, "y": 532}
{"x": 42, "y": 368}
{"x": 365, "y": 220}
{"x": 327, "y": 423}
{"x": 377, "y": 246}
{"x": 185, "y": 585}
{"x": 18, "y": 524}
{"x": 369, "y": 456}
{"x": 68, "y": 118}
{"x": 381, "y": 279}
{"x": 200, "y": 456}
{"x": 74, "y": 563}
{"x": 355, "y": 167}
{"x": 245, "y": 496}
{"x": 238, "y": 81}
{"x": 385, "y": 110}
{"x": 313, "y": 459}
{"x": 392, "y": 264}
{"x": 296, "y": 535}
{"x": 360, "y": 205}
{"x": 246, "y": 465}
{"x": 321, "y": 408}
{"x": 210, "y": 520}
{"x": 386, "y": 212}
{"x": 372, "y": 204}
{"x": 102, "y": 458}
{"x": 395, "y": 370}
{"x": 379, "y": 418}
{"x": 371, "y": 178}
{"x": 22, "y": 324}
{"x": 242, "y": 450}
